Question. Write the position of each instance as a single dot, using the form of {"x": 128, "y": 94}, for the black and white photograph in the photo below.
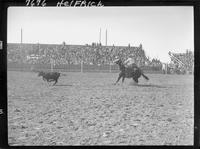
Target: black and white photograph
{"x": 100, "y": 76}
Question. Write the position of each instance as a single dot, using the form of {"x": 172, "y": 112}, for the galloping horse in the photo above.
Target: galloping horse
{"x": 129, "y": 72}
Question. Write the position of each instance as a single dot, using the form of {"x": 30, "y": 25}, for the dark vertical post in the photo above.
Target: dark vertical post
{"x": 196, "y": 74}
{"x": 21, "y": 35}
{"x": 100, "y": 36}
{"x": 106, "y": 37}
{"x": 3, "y": 76}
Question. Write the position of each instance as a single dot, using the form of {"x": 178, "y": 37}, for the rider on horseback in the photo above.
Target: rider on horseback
{"x": 130, "y": 62}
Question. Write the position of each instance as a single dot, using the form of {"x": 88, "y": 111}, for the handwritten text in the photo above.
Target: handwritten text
{"x": 36, "y": 3}
{"x": 65, "y": 3}
{"x": 79, "y": 3}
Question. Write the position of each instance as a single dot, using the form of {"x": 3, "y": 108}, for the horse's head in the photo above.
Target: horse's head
{"x": 41, "y": 73}
{"x": 118, "y": 61}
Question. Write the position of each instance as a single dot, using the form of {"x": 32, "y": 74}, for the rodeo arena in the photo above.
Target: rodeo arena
{"x": 63, "y": 94}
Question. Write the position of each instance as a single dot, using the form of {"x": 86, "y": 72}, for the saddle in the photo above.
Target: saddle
{"x": 133, "y": 66}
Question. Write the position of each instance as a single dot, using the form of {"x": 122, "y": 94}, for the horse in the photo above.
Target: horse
{"x": 49, "y": 76}
{"x": 129, "y": 72}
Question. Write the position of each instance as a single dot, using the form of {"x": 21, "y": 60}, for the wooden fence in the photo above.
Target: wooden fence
{"x": 73, "y": 68}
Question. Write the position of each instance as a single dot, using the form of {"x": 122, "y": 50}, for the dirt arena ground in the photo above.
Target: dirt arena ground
{"x": 87, "y": 109}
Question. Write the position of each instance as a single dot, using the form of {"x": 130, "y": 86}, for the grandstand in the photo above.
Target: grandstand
{"x": 182, "y": 62}
{"x": 90, "y": 56}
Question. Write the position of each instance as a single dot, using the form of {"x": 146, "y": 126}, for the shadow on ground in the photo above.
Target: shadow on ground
{"x": 149, "y": 85}
{"x": 63, "y": 85}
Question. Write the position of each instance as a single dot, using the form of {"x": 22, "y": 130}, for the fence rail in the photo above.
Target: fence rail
{"x": 73, "y": 68}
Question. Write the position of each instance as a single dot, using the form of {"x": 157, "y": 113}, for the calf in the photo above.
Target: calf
{"x": 49, "y": 76}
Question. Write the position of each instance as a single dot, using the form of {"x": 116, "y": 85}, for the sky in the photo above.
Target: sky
{"x": 159, "y": 29}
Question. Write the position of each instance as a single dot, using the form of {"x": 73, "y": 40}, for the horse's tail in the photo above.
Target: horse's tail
{"x": 145, "y": 77}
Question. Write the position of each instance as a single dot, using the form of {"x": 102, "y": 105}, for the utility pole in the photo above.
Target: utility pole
{"x": 21, "y": 51}
{"x": 21, "y": 35}
{"x": 106, "y": 37}
{"x": 100, "y": 36}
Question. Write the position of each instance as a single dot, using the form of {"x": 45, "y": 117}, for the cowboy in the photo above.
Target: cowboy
{"x": 130, "y": 62}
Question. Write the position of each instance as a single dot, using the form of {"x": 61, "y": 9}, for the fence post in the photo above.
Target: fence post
{"x": 51, "y": 65}
{"x": 110, "y": 68}
{"x": 81, "y": 66}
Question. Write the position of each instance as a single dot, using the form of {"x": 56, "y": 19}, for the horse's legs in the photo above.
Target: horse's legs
{"x": 123, "y": 79}
{"x": 55, "y": 81}
{"x": 43, "y": 78}
{"x": 136, "y": 80}
{"x": 118, "y": 78}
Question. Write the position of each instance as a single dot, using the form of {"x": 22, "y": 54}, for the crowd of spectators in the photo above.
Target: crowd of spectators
{"x": 183, "y": 61}
{"x": 94, "y": 54}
